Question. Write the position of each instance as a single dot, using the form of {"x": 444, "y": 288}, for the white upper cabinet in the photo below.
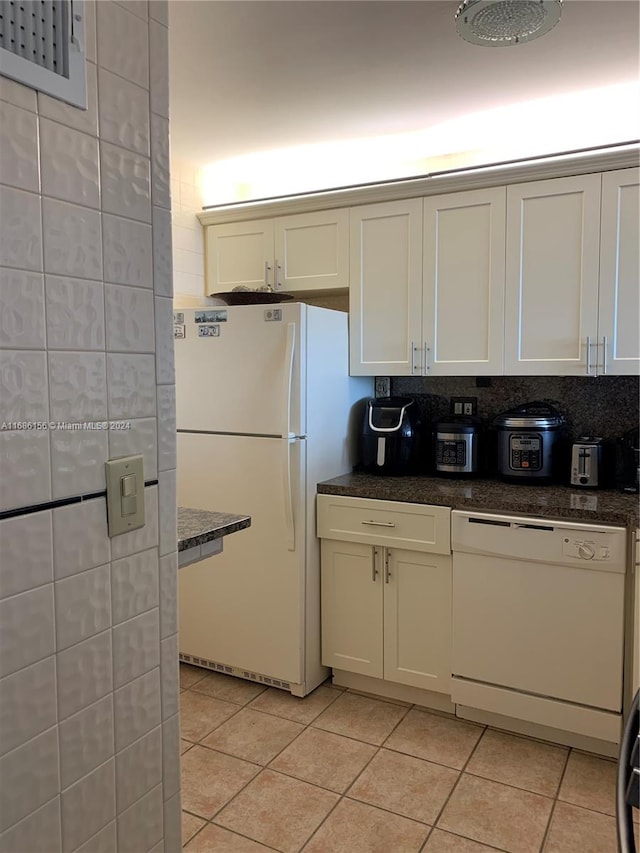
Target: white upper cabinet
{"x": 240, "y": 253}
{"x": 385, "y": 293}
{"x": 312, "y": 251}
{"x": 463, "y": 280}
{"x": 552, "y": 251}
{"x": 619, "y": 304}
{"x": 305, "y": 252}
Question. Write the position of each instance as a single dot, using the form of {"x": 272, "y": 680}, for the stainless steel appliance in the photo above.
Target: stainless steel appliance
{"x": 457, "y": 446}
{"x": 389, "y": 435}
{"x": 530, "y": 443}
{"x": 590, "y": 463}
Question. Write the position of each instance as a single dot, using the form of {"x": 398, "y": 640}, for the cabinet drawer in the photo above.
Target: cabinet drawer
{"x": 418, "y": 527}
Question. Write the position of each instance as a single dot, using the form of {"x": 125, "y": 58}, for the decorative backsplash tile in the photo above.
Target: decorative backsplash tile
{"x": 138, "y": 768}
{"x": 72, "y": 240}
{"x": 129, "y": 316}
{"x": 123, "y": 43}
{"x": 75, "y": 313}
{"x": 78, "y": 386}
{"x": 33, "y": 770}
{"x": 80, "y": 537}
{"x": 131, "y": 384}
{"x": 26, "y": 468}
{"x": 158, "y": 69}
{"x": 162, "y": 254}
{"x": 18, "y": 148}
{"x": 83, "y": 120}
{"x": 165, "y": 372}
{"x": 87, "y": 226}
{"x": 86, "y": 741}
{"x": 128, "y": 251}
{"x": 33, "y": 687}
{"x": 77, "y": 461}
{"x": 26, "y": 552}
{"x": 83, "y": 606}
{"x": 87, "y": 806}
{"x": 124, "y": 112}
{"x": 160, "y": 180}
{"x": 26, "y": 629}
{"x": 69, "y": 164}
{"x": 135, "y": 647}
{"x": 126, "y": 188}
{"x": 139, "y": 437}
{"x": 137, "y": 708}
{"x": 134, "y": 582}
{"x": 21, "y": 232}
{"x": 23, "y": 387}
{"x": 85, "y": 674}
{"x": 22, "y": 313}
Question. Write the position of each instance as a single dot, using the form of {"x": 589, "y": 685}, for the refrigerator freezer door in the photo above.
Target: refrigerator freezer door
{"x": 244, "y": 607}
{"x": 244, "y": 375}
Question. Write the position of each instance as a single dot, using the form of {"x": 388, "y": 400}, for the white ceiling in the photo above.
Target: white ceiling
{"x": 248, "y": 76}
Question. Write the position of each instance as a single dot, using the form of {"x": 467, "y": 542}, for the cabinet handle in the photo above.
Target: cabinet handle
{"x": 379, "y": 523}
{"x": 374, "y": 571}
{"x": 276, "y": 277}
{"x": 266, "y": 274}
{"x": 588, "y": 355}
{"x": 387, "y": 570}
{"x": 426, "y": 357}
{"x": 605, "y": 343}
{"x": 413, "y": 358}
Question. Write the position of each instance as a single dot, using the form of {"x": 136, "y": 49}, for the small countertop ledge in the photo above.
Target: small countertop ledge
{"x": 200, "y": 532}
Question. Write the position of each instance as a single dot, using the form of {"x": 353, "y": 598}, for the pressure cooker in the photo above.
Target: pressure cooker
{"x": 530, "y": 443}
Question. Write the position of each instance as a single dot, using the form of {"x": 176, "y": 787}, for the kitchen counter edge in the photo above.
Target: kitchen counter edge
{"x": 554, "y": 501}
{"x": 199, "y": 526}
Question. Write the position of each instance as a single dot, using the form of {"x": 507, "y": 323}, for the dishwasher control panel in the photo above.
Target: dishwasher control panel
{"x": 585, "y": 549}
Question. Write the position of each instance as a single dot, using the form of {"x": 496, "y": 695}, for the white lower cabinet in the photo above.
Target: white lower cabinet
{"x": 386, "y": 608}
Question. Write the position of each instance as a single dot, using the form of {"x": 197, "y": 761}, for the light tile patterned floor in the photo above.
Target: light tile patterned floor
{"x": 339, "y": 772}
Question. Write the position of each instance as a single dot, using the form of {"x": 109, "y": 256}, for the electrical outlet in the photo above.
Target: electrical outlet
{"x": 464, "y": 405}
{"x": 383, "y": 386}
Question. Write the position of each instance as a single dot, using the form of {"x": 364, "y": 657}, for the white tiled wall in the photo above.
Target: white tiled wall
{"x": 88, "y": 644}
{"x": 188, "y": 240}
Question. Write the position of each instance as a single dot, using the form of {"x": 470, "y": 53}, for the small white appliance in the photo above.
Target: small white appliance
{"x": 265, "y": 410}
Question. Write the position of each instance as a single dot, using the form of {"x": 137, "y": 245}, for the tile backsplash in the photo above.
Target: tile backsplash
{"x": 89, "y": 753}
{"x": 606, "y": 406}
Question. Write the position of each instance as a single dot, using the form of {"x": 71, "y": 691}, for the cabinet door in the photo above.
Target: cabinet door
{"x": 351, "y": 607}
{"x": 463, "y": 275}
{"x": 619, "y": 304}
{"x": 551, "y": 299}
{"x": 385, "y": 291}
{"x": 417, "y": 619}
{"x": 240, "y": 253}
{"x": 312, "y": 251}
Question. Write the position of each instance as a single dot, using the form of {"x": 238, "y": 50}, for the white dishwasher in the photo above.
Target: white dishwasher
{"x": 538, "y": 621}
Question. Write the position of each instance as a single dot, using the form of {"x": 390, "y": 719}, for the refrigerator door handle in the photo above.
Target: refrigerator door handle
{"x": 290, "y": 532}
{"x": 287, "y": 380}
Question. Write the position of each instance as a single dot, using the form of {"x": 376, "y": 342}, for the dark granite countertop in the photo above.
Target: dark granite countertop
{"x": 596, "y": 506}
{"x": 197, "y": 526}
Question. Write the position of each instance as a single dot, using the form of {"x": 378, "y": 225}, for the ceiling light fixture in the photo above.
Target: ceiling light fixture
{"x": 499, "y": 23}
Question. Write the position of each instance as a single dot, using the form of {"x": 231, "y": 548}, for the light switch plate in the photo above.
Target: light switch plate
{"x": 125, "y": 494}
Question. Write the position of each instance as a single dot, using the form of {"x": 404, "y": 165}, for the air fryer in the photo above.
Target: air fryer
{"x": 390, "y": 434}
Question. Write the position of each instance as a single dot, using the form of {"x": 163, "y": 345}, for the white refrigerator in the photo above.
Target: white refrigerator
{"x": 265, "y": 410}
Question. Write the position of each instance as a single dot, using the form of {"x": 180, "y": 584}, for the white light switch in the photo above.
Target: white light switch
{"x": 125, "y": 494}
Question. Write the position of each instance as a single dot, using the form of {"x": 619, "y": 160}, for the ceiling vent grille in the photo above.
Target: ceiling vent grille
{"x": 42, "y": 46}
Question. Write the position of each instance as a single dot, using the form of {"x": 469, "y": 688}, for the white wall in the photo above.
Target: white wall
{"x": 188, "y": 236}
{"x": 89, "y": 727}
